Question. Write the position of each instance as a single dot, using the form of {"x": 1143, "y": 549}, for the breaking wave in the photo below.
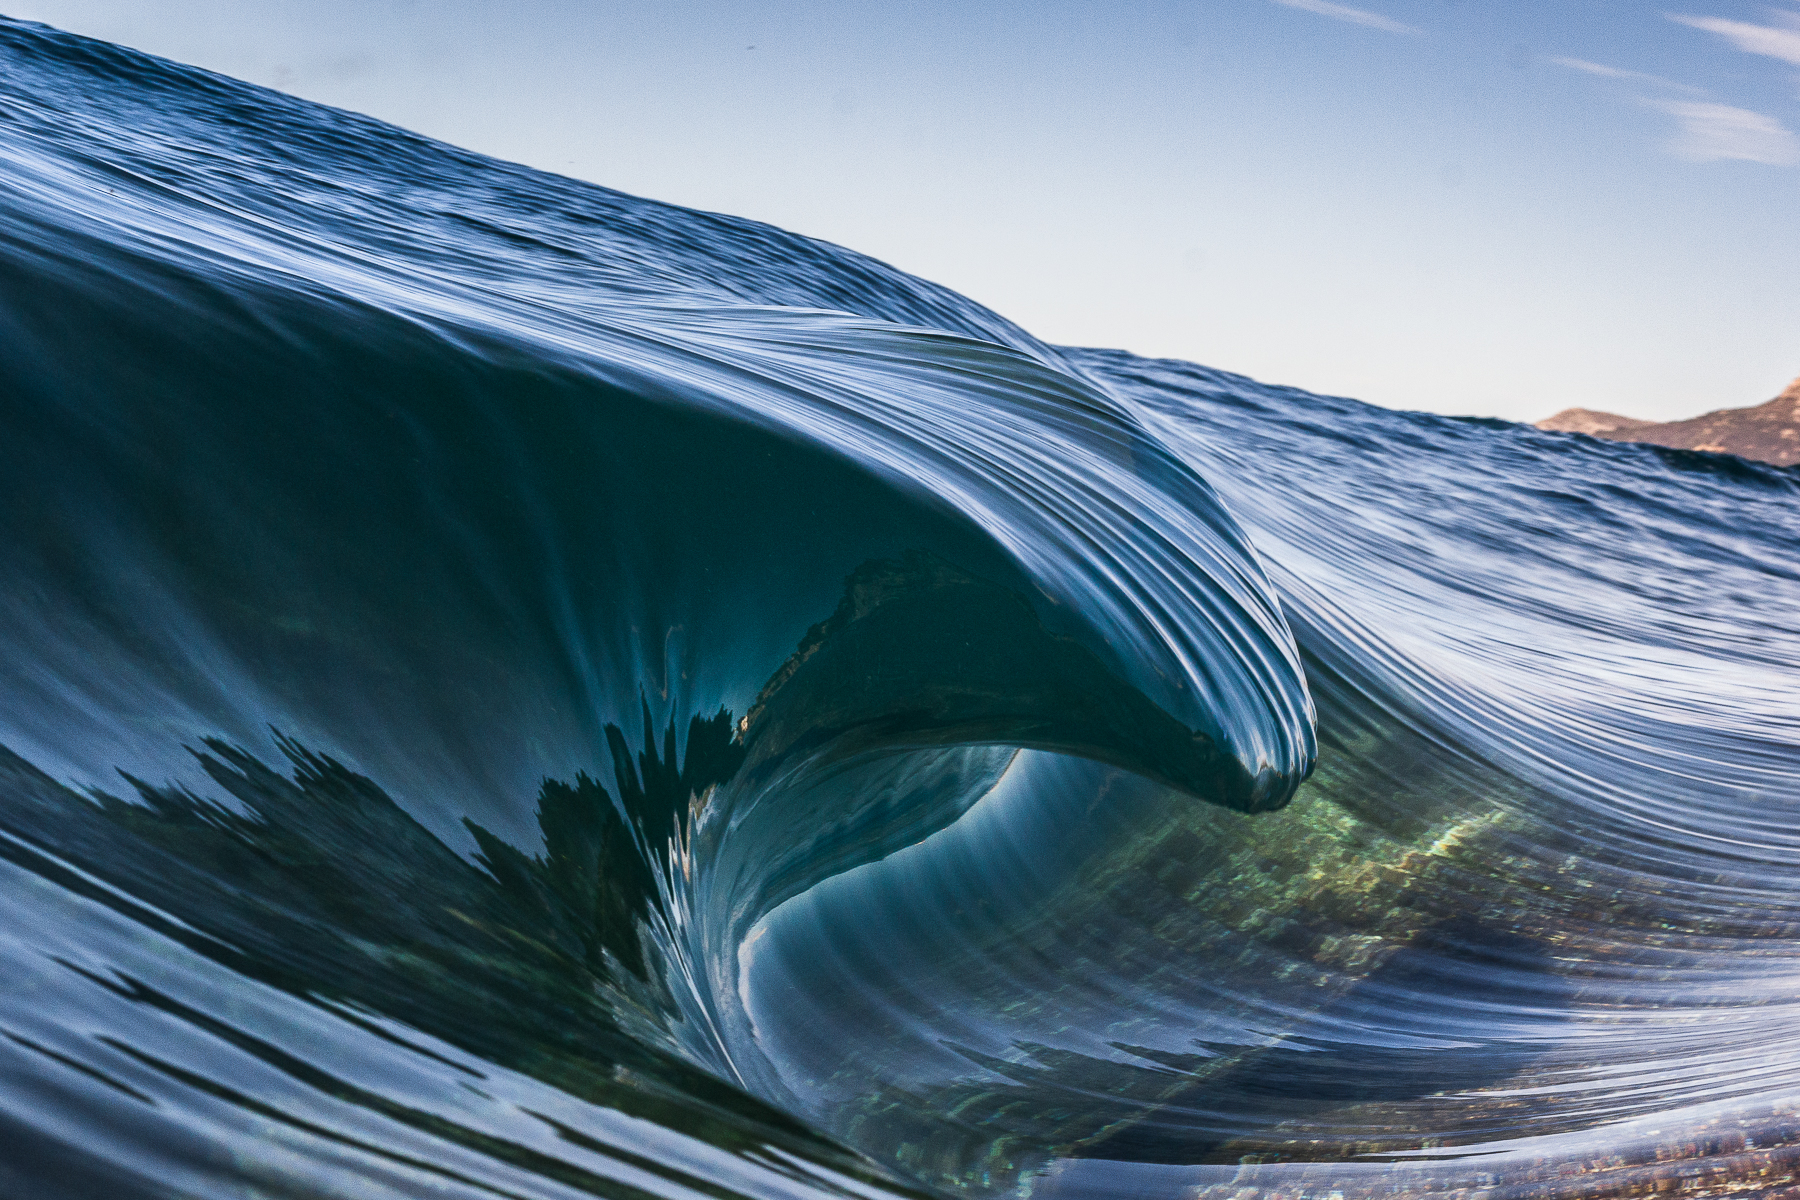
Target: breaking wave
{"x": 513, "y": 689}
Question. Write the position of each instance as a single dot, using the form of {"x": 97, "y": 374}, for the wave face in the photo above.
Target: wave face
{"x": 516, "y": 690}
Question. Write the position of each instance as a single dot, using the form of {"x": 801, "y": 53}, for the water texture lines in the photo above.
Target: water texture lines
{"x": 513, "y": 689}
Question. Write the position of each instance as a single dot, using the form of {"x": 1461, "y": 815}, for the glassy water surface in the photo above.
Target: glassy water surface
{"x": 515, "y": 690}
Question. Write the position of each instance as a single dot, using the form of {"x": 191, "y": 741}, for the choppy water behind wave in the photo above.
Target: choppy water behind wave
{"x": 511, "y": 689}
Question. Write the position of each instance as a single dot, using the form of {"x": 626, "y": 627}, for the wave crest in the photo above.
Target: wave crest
{"x": 754, "y": 721}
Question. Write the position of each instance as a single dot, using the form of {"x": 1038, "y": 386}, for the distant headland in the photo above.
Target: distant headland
{"x": 1767, "y": 432}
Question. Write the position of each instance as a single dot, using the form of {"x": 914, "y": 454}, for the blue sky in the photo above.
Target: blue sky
{"x": 1440, "y": 204}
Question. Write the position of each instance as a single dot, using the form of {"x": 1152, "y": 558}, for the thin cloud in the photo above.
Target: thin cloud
{"x": 1343, "y": 12}
{"x": 1715, "y": 132}
{"x": 1606, "y": 72}
{"x": 1772, "y": 41}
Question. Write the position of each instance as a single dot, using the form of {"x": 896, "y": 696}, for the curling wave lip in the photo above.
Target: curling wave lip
{"x": 516, "y": 689}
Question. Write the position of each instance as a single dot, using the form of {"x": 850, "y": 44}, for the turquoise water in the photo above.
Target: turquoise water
{"x": 512, "y": 689}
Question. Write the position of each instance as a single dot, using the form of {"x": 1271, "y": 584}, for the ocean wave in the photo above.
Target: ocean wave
{"x": 514, "y": 688}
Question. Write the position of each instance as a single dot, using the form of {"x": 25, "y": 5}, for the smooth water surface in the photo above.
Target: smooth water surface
{"x": 514, "y": 690}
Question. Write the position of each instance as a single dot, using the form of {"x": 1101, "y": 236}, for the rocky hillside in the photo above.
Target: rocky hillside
{"x": 1768, "y": 432}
